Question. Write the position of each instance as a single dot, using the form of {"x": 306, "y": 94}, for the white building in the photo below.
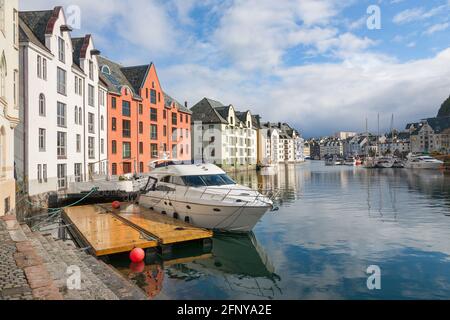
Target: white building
{"x": 62, "y": 137}
{"x": 342, "y": 135}
{"x": 290, "y": 143}
{"x": 223, "y": 135}
{"x": 430, "y": 135}
{"x": 331, "y": 147}
{"x": 9, "y": 100}
{"x": 268, "y": 145}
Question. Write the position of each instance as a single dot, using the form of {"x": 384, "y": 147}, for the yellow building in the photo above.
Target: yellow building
{"x": 9, "y": 100}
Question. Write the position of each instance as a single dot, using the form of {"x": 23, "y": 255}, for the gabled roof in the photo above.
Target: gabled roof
{"x": 37, "y": 21}
{"x": 27, "y": 35}
{"x": 136, "y": 75}
{"x": 116, "y": 80}
{"x": 206, "y": 111}
{"x": 168, "y": 100}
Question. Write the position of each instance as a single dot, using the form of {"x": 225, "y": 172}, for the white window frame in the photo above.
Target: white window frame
{"x": 61, "y": 50}
{"x": 42, "y": 140}
{"x": 61, "y": 81}
{"x": 61, "y": 115}
{"x": 62, "y": 176}
{"x": 61, "y": 145}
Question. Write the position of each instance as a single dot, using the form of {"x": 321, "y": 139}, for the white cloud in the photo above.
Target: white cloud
{"x": 418, "y": 14}
{"x": 436, "y": 28}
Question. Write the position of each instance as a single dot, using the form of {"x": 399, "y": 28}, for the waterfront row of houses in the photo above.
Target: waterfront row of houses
{"x": 430, "y": 135}
{"x": 69, "y": 114}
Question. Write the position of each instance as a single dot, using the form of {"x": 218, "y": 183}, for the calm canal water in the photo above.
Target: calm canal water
{"x": 332, "y": 224}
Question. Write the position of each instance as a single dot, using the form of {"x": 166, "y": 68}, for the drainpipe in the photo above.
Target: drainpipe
{"x": 25, "y": 170}
{"x": 84, "y": 130}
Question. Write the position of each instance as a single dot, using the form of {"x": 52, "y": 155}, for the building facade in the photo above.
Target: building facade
{"x": 268, "y": 144}
{"x": 331, "y": 147}
{"x": 62, "y": 137}
{"x": 144, "y": 123}
{"x": 9, "y": 100}
{"x": 223, "y": 136}
{"x": 430, "y": 135}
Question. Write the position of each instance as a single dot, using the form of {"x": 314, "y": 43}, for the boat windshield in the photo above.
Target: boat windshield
{"x": 207, "y": 180}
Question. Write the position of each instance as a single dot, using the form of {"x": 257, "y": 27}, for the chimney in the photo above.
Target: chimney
{"x": 279, "y": 125}
{"x": 186, "y": 104}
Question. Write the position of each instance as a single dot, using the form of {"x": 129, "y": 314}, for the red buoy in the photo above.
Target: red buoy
{"x": 137, "y": 255}
{"x": 116, "y": 205}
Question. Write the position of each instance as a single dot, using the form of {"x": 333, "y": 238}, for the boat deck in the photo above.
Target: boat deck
{"x": 110, "y": 231}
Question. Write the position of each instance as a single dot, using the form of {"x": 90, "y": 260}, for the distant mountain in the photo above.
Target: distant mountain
{"x": 445, "y": 109}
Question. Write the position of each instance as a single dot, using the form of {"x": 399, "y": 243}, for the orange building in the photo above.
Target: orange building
{"x": 144, "y": 123}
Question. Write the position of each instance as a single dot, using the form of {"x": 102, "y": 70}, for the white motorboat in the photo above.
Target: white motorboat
{"x": 370, "y": 163}
{"x": 350, "y": 161}
{"x": 205, "y": 196}
{"x": 423, "y": 162}
{"x": 384, "y": 162}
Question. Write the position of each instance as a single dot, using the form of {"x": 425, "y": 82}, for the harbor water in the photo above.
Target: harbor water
{"x": 332, "y": 224}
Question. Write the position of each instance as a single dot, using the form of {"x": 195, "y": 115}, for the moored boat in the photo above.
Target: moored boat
{"x": 205, "y": 196}
{"x": 423, "y": 162}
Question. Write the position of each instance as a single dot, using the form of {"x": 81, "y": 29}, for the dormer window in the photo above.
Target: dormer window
{"x": 61, "y": 50}
{"x": 231, "y": 121}
{"x": 106, "y": 70}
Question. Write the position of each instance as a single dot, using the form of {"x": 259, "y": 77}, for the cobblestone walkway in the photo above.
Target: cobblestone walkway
{"x": 36, "y": 266}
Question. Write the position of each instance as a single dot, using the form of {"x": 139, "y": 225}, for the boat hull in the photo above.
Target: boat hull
{"x": 424, "y": 166}
{"x": 221, "y": 217}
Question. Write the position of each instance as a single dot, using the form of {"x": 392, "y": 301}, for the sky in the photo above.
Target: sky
{"x": 319, "y": 65}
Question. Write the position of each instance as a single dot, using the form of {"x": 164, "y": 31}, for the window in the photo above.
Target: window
{"x": 91, "y": 94}
{"x": 165, "y": 114}
{"x": 126, "y": 128}
{"x": 101, "y": 97}
{"x": 181, "y": 118}
{"x": 187, "y": 119}
{"x": 39, "y": 67}
{"x": 16, "y": 27}
{"x": 61, "y": 115}
{"x": 91, "y": 70}
{"x": 42, "y": 139}
{"x": 126, "y": 110}
{"x": 141, "y": 147}
{"x": 78, "y": 143}
{"x": 165, "y": 131}
{"x": 126, "y": 150}
{"x": 114, "y": 147}
{"x": 39, "y": 173}
{"x": 80, "y": 116}
{"x": 141, "y": 167}
{"x": 61, "y": 78}
{"x": 2, "y": 15}
{"x": 187, "y": 149}
{"x": 44, "y": 172}
{"x": 42, "y": 105}
{"x": 187, "y": 133}
{"x": 102, "y": 146}
{"x": 141, "y": 127}
{"x": 7, "y": 205}
{"x": 141, "y": 110}
{"x": 174, "y": 119}
{"x": 159, "y": 96}
{"x": 174, "y": 134}
{"x": 153, "y": 96}
{"x": 102, "y": 123}
{"x": 91, "y": 147}
{"x": 3, "y": 73}
{"x": 113, "y": 102}
{"x": 16, "y": 88}
{"x": 113, "y": 124}
{"x": 153, "y": 114}
{"x": 62, "y": 176}
{"x": 154, "y": 150}
{"x": 76, "y": 114}
{"x": 61, "y": 145}
{"x": 154, "y": 132}
{"x": 61, "y": 50}
{"x": 77, "y": 172}
{"x": 44, "y": 68}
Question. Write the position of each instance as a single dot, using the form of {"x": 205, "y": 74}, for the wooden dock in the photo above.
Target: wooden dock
{"x": 109, "y": 231}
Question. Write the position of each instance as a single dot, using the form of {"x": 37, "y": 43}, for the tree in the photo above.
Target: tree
{"x": 445, "y": 109}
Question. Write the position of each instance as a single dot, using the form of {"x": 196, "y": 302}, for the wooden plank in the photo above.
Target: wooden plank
{"x": 104, "y": 232}
{"x": 167, "y": 230}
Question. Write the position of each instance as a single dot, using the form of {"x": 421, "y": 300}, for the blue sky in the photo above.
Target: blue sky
{"x": 312, "y": 63}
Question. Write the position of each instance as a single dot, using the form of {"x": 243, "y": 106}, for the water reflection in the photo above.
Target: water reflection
{"x": 332, "y": 224}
